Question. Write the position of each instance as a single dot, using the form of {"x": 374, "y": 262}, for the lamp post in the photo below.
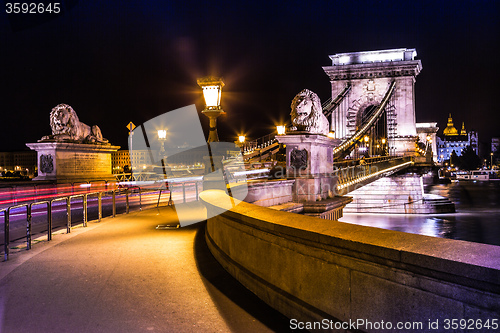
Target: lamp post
{"x": 491, "y": 165}
{"x": 281, "y": 129}
{"x": 162, "y": 136}
{"x": 212, "y": 91}
{"x": 367, "y": 145}
{"x": 241, "y": 141}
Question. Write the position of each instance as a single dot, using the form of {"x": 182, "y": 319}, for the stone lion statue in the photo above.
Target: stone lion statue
{"x": 66, "y": 126}
{"x": 307, "y": 114}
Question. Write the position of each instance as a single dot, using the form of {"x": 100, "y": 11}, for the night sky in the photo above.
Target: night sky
{"x": 121, "y": 61}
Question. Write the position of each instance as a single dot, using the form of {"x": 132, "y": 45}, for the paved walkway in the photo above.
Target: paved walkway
{"x": 123, "y": 275}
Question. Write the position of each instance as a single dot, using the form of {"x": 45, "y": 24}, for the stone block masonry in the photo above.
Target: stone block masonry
{"x": 312, "y": 269}
{"x": 396, "y": 195}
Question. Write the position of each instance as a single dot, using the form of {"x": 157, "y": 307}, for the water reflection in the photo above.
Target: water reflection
{"x": 477, "y": 218}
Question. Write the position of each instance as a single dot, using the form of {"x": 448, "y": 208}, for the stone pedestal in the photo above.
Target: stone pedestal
{"x": 71, "y": 162}
{"x": 309, "y": 160}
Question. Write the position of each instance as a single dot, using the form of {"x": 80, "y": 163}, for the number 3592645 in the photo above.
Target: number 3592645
{"x": 32, "y": 8}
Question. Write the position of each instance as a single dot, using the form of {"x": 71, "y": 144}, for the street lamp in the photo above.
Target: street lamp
{"x": 212, "y": 92}
{"x": 240, "y": 142}
{"x": 491, "y": 165}
{"x": 162, "y": 136}
{"x": 281, "y": 130}
{"x": 367, "y": 145}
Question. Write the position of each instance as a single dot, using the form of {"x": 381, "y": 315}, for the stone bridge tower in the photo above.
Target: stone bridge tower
{"x": 369, "y": 74}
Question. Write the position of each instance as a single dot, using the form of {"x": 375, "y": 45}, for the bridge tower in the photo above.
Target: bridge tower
{"x": 370, "y": 74}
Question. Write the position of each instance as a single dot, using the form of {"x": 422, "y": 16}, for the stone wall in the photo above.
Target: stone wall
{"x": 270, "y": 193}
{"x": 396, "y": 195}
{"x": 312, "y": 269}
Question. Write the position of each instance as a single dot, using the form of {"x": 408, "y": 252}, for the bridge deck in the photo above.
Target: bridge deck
{"x": 123, "y": 275}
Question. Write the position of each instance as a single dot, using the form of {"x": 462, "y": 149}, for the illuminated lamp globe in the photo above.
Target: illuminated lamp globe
{"x": 281, "y": 130}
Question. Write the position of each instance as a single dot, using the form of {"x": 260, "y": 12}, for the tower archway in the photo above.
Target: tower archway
{"x": 369, "y": 74}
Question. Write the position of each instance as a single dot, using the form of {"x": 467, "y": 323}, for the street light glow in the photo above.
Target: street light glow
{"x": 281, "y": 130}
{"x": 162, "y": 134}
{"x": 212, "y": 91}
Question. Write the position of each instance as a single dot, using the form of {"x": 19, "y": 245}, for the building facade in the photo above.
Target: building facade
{"x": 427, "y": 134}
{"x": 22, "y": 161}
{"x": 453, "y": 140}
{"x": 370, "y": 74}
{"x": 495, "y": 145}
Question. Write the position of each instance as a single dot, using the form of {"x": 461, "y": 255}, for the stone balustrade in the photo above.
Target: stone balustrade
{"x": 312, "y": 269}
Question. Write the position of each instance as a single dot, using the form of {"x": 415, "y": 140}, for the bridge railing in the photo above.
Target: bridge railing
{"x": 348, "y": 144}
{"x": 260, "y": 143}
{"x": 355, "y": 174}
{"x": 18, "y": 194}
{"x": 28, "y": 207}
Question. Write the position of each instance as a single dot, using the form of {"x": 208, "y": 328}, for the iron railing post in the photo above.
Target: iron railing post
{"x": 140, "y": 199}
{"x": 184, "y": 192}
{"x": 49, "y": 220}
{"x": 99, "y": 206}
{"x": 114, "y": 202}
{"x": 196, "y": 190}
{"x": 85, "y": 217}
{"x": 158, "y": 202}
{"x": 126, "y": 201}
{"x": 68, "y": 213}
{"x": 28, "y": 226}
{"x": 6, "y": 234}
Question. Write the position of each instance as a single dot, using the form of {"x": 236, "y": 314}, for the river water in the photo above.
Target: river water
{"x": 477, "y": 217}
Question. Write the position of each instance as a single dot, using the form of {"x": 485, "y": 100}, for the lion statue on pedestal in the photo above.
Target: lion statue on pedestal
{"x": 66, "y": 126}
{"x": 307, "y": 114}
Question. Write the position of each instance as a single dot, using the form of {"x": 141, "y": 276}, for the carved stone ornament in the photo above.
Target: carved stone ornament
{"x": 307, "y": 114}
{"x": 298, "y": 159}
{"x": 46, "y": 163}
{"x": 66, "y": 127}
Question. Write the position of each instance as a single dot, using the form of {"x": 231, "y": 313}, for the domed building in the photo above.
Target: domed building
{"x": 451, "y": 141}
{"x": 450, "y": 130}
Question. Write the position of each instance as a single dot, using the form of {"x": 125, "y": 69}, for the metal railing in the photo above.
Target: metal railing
{"x": 17, "y": 194}
{"x": 355, "y": 174}
{"x": 348, "y": 144}
{"x": 250, "y": 146}
{"x": 85, "y": 199}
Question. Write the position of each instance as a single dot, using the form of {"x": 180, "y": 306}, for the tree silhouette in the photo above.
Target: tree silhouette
{"x": 469, "y": 160}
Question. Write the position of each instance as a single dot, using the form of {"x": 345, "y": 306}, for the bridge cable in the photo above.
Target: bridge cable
{"x": 345, "y": 147}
